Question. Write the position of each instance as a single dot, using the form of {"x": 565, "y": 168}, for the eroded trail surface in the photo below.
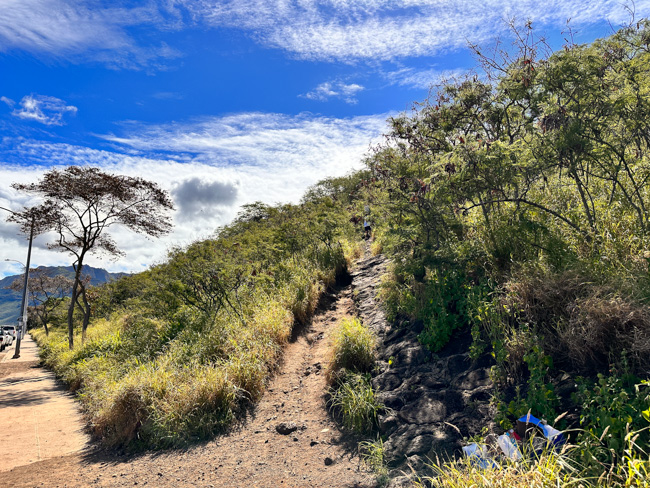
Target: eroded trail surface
{"x": 254, "y": 454}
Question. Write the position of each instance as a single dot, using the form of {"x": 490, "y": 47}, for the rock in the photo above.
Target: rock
{"x": 390, "y": 399}
{"x": 472, "y": 379}
{"x": 458, "y": 364}
{"x": 286, "y": 428}
{"x": 416, "y": 462}
{"x": 400, "y": 482}
{"x": 386, "y": 382}
{"x": 329, "y": 461}
{"x": 432, "y": 407}
{"x": 395, "y": 334}
{"x": 388, "y": 424}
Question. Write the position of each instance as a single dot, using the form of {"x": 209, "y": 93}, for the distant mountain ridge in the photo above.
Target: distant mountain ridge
{"x": 10, "y": 300}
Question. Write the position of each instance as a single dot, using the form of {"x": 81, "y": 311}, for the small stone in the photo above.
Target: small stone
{"x": 313, "y": 443}
{"x": 329, "y": 461}
{"x": 286, "y": 428}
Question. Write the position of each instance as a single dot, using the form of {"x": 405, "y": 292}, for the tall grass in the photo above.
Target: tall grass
{"x": 353, "y": 346}
{"x": 354, "y": 400}
{"x": 181, "y": 350}
{"x": 549, "y": 470}
{"x": 353, "y": 356}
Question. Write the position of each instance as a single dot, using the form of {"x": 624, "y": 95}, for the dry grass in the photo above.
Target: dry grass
{"x": 353, "y": 347}
{"x": 584, "y": 324}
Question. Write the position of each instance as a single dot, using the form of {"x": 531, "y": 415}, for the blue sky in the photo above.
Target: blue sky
{"x": 224, "y": 102}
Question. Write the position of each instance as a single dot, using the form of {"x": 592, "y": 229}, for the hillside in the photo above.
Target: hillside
{"x": 508, "y": 273}
{"x": 10, "y": 300}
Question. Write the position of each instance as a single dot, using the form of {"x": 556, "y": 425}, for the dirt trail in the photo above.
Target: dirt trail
{"x": 39, "y": 418}
{"x": 254, "y": 454}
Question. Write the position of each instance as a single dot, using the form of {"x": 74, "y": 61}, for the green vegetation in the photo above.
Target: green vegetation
{"x": 372, "y": 453}
{"x": 353, "y": 398}
{"x": 546, "y": 470}
{"x": 353, "y": 358}
{"x": 173, "y": 354}
{"x": 353, "y": 347}
{"x": 514, "y": 208}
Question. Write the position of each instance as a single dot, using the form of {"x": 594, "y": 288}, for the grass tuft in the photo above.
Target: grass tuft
{"x": 353, "y": 399}
{"x": 353, "y": 347}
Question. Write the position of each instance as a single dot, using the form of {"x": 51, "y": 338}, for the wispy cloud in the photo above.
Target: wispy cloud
{"x": 349, "y": 30}
{"x": 258, "y": 139}
{"x": 342, "y": 30}
{"x": 211, "y": 167}
{"x": 166, "y": 95}
{"x": 335, "y": 89}
{"x": 43, "y": 109}
{"x": 8, "y": 101}
{"x": 422, "y": 78}
{"x": 75, "y": 31}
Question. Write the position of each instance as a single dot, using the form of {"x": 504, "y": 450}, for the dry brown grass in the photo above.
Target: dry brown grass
{"x": 585, "y": 325}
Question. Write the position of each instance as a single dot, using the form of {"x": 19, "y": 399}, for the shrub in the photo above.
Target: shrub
{"x": 372, "y": 453}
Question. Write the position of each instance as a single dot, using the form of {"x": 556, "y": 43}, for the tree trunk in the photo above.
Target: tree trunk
{"x": 85, "y": 308}
{"x": 73, "y": 300}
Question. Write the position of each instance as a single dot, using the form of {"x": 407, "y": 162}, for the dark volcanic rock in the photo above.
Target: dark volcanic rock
{"x": 286, "y": 428}
{"x": 433, "y": 401}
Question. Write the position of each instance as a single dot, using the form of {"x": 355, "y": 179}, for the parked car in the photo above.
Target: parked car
{"x": 9, "y": 339}
{"x": 3, "y": 340}
{"x": 11, "y": 329}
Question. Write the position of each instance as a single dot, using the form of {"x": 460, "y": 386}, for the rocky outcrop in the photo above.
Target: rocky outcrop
{"x": 432, "y": 400}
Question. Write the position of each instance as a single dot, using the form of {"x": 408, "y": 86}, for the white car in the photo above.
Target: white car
{"x": 11, "y": 330}
{"x": 3, "y": 340}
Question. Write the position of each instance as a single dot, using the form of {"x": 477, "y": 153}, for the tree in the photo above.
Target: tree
{"x": 80, "y": 204}
{"x": 45, "y": 293}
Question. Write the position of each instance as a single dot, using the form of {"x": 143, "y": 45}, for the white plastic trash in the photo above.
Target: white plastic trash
{"x": 478, "y": 455}
{"x": 474, "y": 448}
{"x": 509, "y": 447}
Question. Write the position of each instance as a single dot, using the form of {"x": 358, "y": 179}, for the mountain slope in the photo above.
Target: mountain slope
{"x": 10, "y": 300}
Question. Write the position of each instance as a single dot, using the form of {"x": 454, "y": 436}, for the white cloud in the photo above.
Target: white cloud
{"x": 226, "y": 161}
{"x": 422, "y": 78}
{"x": 72, "y": 30}
{"x": 343, "y": 30}
{"x": 43, "y": 109}
{"x": 335, "y": 89}
{"x": 387, "y": 29}
{"x": 8, "y": 101}
{"x": 258, "y": 138}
